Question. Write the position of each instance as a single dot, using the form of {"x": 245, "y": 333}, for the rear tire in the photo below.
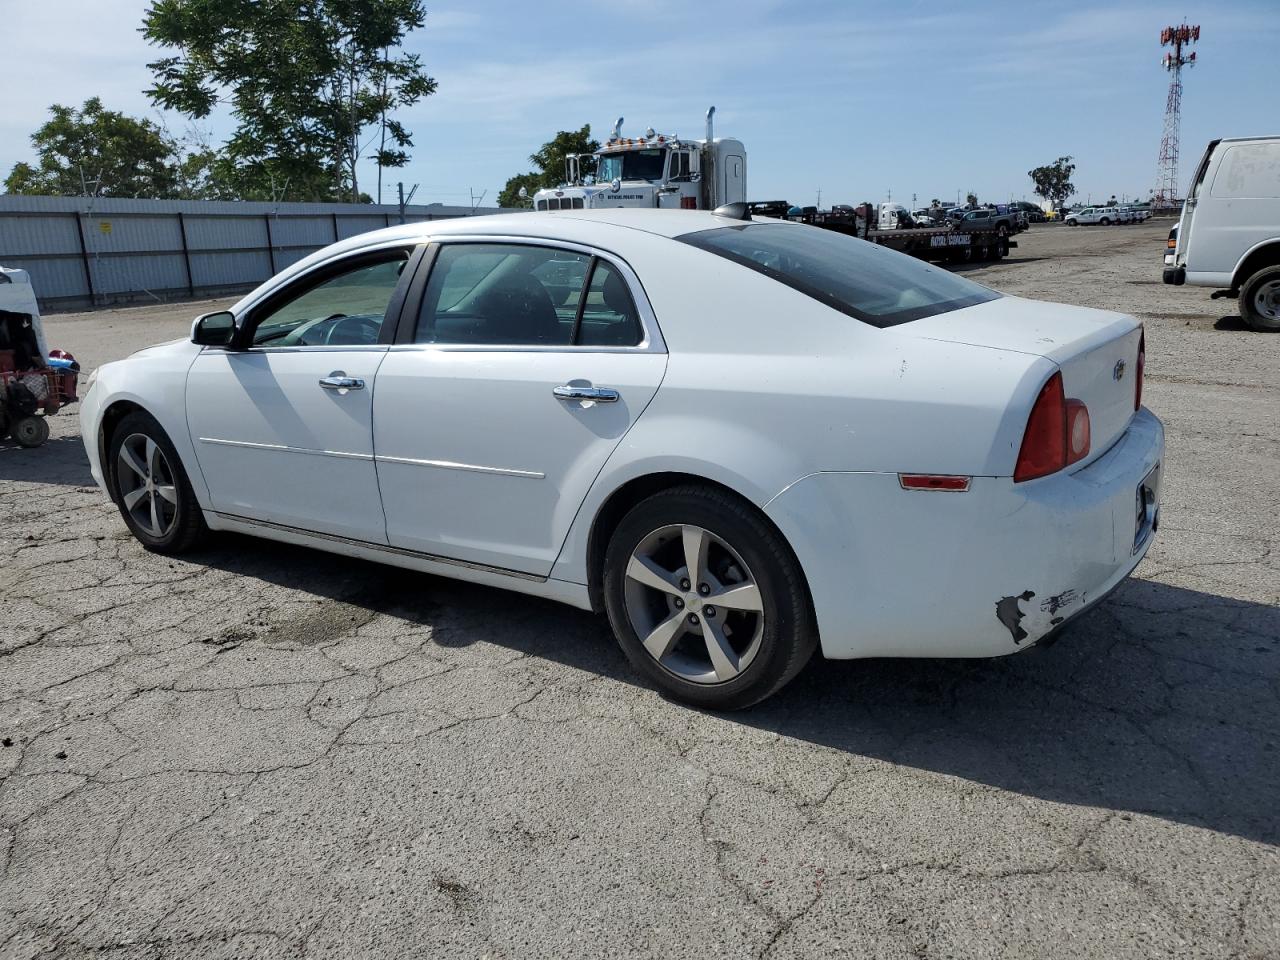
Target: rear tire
{"x": 1260, "y": 300}
{"x": 151, "y": 487}
{"x": 727, "y": 637}
{"x": 1105, "y": 221}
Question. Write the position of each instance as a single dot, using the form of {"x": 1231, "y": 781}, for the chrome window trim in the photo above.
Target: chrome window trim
{"x": 307, "y": 348}
{"x": 652, "y": 341}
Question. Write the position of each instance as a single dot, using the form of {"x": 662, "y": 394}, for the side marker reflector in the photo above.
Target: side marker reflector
{"x": 933, "y": 481}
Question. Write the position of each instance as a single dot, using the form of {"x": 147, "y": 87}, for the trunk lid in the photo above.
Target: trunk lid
{"x": 1096, "y": 350}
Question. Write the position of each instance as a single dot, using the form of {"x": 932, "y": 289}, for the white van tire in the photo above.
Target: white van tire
{"x": 1260, "y": 300}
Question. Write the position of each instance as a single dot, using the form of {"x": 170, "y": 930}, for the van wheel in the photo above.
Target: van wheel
{"x": 706, "y": 599}
{"x": 1260, "y": 300}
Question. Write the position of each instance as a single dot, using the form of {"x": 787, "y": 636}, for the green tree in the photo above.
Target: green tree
{"x": 97, "y": 152}
{"x": 549, "y": 161}
{"x": 305, "y": 80}
{"x": 1053, "y": 181}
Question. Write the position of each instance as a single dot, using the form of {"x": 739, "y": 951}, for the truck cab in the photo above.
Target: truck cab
{"x": 654, "y": 170}
{"x": 1229, "y": 233}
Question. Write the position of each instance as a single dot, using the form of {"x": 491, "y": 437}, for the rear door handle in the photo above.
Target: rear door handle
{"x": 593, "y": 394}
{"x": 339, "y": 381}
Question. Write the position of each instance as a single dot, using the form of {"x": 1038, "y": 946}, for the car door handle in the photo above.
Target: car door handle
{"x": 341, "y": 382}
{"x": 593, "y": 394}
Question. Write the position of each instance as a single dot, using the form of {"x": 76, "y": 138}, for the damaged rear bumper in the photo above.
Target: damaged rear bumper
{"x": 984, "y": 573}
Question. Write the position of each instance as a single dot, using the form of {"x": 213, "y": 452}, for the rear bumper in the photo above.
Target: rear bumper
{"x": 983, "y": 573}
{"x": 1176, "y": 276}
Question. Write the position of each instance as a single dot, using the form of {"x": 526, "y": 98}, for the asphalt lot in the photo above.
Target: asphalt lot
{"x": 268, "y": 751}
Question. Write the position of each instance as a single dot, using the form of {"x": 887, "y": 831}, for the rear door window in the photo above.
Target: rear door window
{"x": 525, "y": 295}
{"x": 866, "y": 281}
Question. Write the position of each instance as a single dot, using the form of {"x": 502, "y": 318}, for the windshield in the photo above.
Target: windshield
{"x": 632, "y": 165}
{"x": 866, "y": 281}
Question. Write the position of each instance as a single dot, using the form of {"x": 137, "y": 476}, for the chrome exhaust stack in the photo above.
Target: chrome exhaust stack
{"x": 710, "y": 115}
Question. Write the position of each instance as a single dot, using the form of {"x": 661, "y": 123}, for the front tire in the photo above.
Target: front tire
{"x": 1260, "y": 300}
{"x": 728, "y": 634}
{"x": 151, "y": 487}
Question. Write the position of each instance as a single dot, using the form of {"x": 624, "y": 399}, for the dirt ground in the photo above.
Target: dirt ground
{"x": 265, "y": 751}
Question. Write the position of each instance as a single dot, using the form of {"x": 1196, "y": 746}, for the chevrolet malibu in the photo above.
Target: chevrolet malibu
{"x": 741, "y": 440}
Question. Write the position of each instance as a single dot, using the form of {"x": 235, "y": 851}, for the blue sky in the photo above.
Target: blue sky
{"x": 854, "y": 98}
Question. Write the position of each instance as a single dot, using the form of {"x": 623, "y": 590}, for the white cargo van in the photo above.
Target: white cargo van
{"x": 1229, "y": 233}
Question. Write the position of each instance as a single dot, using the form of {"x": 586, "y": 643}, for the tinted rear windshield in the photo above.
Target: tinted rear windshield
{"x": 868, "y": 282}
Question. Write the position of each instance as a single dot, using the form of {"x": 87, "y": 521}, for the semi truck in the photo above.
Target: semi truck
{"x": 654, "y": 170}
{"x": 664, "y": 171}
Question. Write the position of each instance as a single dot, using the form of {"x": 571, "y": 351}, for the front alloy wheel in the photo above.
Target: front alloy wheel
{"x": 147, "y": 491}
{"x": 151, "y": 487}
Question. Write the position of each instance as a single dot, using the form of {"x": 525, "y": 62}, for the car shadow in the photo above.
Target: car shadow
{"x": 1162, "y": 701}
{"x": 60, "y": 461}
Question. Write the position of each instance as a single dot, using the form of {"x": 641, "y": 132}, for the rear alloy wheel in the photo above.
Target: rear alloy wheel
{"x": 1260, "y": 300}
{"x": 151, "y": 487}
{"x": 706, "y": 599}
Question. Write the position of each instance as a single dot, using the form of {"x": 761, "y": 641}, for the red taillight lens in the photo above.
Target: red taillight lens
{"x": 1077, "y": 431}
{"x": 1044, "y": 444}
{"x": 1142, "y": 369}
{"x": 1057, "y": 434}
{"x": 688, "y": 203}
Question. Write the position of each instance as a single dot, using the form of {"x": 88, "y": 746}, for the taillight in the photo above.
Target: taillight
{"x": 688, "y": 203}
{"x": 1142, "y": 368}
{"x": 1077, "y": 431}
{"x": 1057, "y": 433}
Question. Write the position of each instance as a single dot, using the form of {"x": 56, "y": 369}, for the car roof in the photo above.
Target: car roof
{"x": 607, "y": 229}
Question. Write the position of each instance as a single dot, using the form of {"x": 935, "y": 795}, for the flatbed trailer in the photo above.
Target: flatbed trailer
{"x": 943, "y": 244}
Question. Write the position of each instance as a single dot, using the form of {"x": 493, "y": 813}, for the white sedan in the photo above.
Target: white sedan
{"x": 740, "y": 440}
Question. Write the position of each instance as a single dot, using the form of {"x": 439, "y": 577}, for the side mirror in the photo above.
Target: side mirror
{"x": 214, "y": 329}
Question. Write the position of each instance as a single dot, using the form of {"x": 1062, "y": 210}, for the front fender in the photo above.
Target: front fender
{"x": 154, "y": 380}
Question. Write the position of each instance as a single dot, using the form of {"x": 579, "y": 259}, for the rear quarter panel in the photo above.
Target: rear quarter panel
{"x": 764, "y": 386}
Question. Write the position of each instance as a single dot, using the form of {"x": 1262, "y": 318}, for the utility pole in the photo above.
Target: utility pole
{"x": 404, "y": 201}
{"x": 476, "y": 201}
{"x": 819, "y": 198}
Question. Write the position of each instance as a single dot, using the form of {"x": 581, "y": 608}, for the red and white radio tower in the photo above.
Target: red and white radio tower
{"x": 1166, "y": 191}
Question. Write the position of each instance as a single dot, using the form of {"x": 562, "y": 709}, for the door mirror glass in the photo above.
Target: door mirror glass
{"x": 214, "y": 329}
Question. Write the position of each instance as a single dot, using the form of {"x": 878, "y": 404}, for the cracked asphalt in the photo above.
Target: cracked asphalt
{"x": 265, "y": 751}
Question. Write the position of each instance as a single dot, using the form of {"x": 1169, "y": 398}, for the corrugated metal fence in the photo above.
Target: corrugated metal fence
{"x": 84, "y": 251}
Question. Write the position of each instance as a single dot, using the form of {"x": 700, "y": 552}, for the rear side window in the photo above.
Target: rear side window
{"x": 525, "y": 295}
{"x": 868, "y": 282}
{"x": 1248, "y": 171}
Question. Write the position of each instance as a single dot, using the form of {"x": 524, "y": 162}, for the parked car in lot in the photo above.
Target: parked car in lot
{"x": 741, "y": 440}
{"x": 1100, "y": 215}
{"x": 989, "y": 217}
{"x": 770, "y": 208}
{"x": 1229, "y": 234}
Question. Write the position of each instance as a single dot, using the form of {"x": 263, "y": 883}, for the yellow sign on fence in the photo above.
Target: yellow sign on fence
{"x": 104, "y": 226}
